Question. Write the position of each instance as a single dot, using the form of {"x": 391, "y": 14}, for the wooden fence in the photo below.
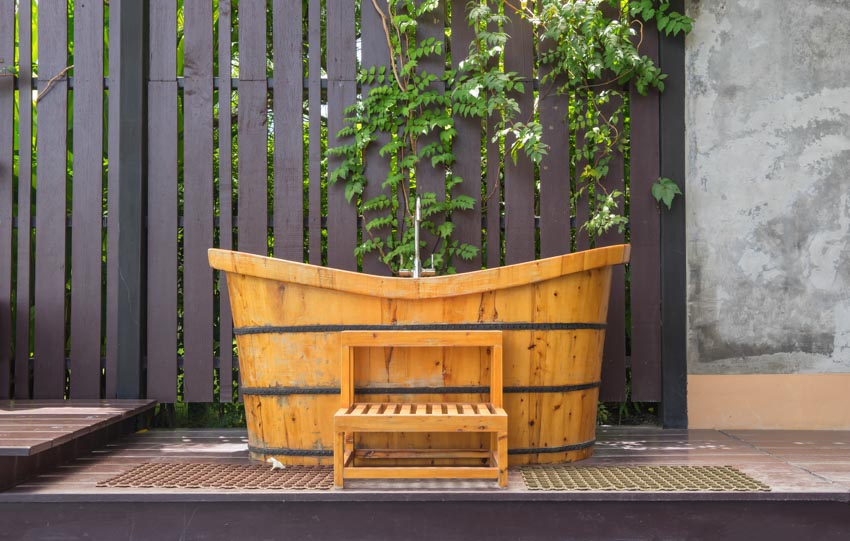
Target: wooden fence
{"x": 257, "y": 188}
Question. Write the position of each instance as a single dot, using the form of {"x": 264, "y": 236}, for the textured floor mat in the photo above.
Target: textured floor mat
{"x": 640, "y": 478}
{"x": 223, "y": 476}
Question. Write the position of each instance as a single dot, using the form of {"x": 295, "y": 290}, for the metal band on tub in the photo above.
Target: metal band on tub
{"x": 286, "y": 391}
{"x": 484, "y": 326}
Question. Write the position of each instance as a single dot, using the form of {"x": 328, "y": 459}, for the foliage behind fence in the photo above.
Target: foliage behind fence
{"x": 243, "y": 100}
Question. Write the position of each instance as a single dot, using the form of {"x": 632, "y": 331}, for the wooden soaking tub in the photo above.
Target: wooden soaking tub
{"x": 287, "y": 318}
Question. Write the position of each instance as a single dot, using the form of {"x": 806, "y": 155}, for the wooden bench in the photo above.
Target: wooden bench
{"x": 353, "y": 417}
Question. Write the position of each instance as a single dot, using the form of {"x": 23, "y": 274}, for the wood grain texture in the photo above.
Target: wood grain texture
{"x": 342, "y": 91}
{"x": 419, "y": 417}
{"x": 162, "y": 204}
{"x": 519, "y": 176}
{"x": 51, "y": 143}
{"x": 645, "y": 235}
{"x": 467, "y": 149}
{"x": 288, "y": 131}
{"x": 198, "y": 203}
{"x": 225, "y": 197}
{"x": 375, "y": 52}
{"x": 314, "y": 97}
{"x": 7, "y": 126}
{"x": 405, "y": 288}
{"x": 569, "y": 288}
{"x": 113, "y": 187}
{"x": 86, "y": 202}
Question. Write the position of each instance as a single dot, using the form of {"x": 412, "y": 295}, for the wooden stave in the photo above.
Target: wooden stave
{"x": 582, "y": 418}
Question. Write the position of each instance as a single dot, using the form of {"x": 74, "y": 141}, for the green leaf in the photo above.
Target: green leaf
{"x": 664, "y": 190}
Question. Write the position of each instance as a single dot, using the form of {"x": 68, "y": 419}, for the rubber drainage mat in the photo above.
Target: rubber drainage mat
{"x": 640, "y": 478}
{"x": 223, "y": 476}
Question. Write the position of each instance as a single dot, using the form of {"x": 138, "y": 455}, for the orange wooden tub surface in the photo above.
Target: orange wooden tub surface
{"x": 287, "y": 318}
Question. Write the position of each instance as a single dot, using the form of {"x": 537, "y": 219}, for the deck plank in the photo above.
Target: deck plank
{"x": 818, "y": 470}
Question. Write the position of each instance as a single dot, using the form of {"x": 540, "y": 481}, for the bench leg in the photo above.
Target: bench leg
{"x": 502, "y": 452}
{"x": 339, "y": 458}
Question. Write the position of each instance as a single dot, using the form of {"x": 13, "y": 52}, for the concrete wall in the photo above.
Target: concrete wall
{"x": 768, "y": 186}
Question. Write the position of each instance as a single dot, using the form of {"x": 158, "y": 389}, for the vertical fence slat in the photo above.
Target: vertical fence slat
{"x": 519, "y": 176}
{"x": 614, "y": 355}
{"x": 314, "y": 157}
{"x": 197, "y": 203}
{"x": 375, "y": 53}
{"x": 225, "y": 201}
{"x": 51, "y": 145}
{"x": 7, "y": 104}
{"x": 253, "y": 169}
{"x": 87, "y": 200}
{"x": 342, "y": 89}
{"x": 493, "y": 200}
{"x": 493, "y": 196}
{"x": 288, "y": 131}
{"x": 645, "y": 229}
{"x": 113, "y": 184}
{"x": 132, "y": 175}
{"x": 23, "y": 282}
{"x": 428, "y": 178}
{"x": 467, "y": 150}
{"x": 555, "y": 167}
{"x": 162, "y": 204}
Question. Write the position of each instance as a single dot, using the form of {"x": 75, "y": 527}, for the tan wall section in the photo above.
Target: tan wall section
{"x": 769, "y": 401}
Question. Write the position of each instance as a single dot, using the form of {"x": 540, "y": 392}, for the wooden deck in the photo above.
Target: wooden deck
{"x": 35, "y": 435}
{"x": 808, "y": 472}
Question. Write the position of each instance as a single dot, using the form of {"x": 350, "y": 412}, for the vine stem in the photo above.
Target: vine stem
{"x": 51, "y": 82}
{"x": 389, "y": 44}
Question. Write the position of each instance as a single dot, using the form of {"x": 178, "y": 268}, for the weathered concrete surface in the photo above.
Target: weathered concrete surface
{"x": 768, "y": 186}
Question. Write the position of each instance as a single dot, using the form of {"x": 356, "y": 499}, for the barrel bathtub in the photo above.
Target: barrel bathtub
{"x": 288, "y": 316}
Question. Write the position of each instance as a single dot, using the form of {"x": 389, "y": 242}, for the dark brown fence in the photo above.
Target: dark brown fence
{"x": 235, "y": 123}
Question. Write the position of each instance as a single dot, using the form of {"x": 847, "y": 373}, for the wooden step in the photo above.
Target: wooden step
{"x": 38, "y": 435}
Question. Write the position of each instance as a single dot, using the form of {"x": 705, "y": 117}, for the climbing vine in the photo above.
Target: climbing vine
{"x": 589, "y": 51}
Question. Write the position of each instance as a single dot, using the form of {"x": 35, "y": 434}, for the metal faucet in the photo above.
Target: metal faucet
{"x": 417, "y": 261}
